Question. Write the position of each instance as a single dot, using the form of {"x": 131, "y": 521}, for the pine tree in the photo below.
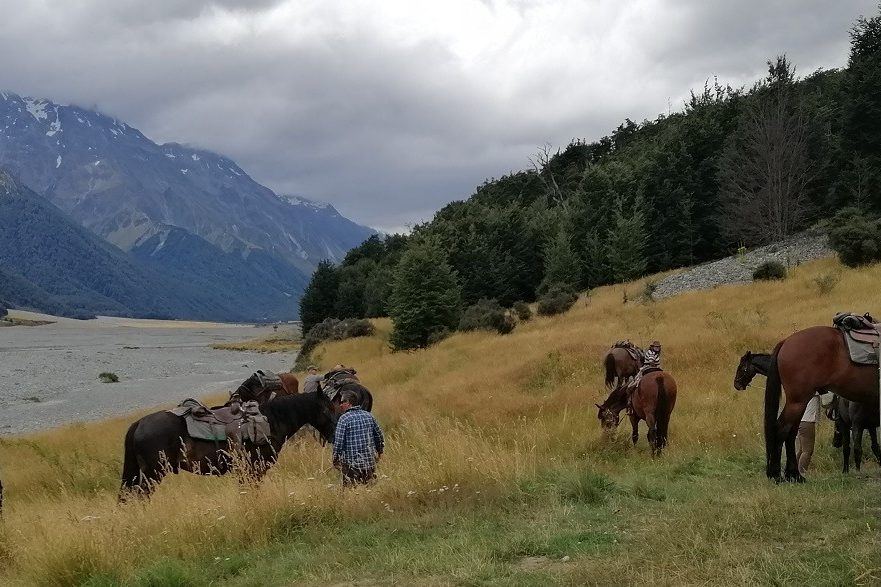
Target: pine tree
{"x": 426, "y": 298}
{"x": 626, "y": 244}
{"x": 319, "y": 299}
{"x": 561, "y": 264}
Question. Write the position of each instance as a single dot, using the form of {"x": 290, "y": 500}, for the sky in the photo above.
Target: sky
{"x": 390, "y": 109}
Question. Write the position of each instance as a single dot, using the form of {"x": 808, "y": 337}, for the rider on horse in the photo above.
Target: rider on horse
{"x": 651, "y": 361}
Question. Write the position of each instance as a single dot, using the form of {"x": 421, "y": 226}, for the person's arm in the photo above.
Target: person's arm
{"x": 339, "y": 441}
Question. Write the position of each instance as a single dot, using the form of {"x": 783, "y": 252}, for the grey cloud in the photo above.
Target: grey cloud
{"x": 390, "y": 130}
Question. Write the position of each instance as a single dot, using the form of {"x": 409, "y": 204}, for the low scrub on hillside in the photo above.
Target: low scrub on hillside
{"x": 486, "y": 315}
{"x": 856, "y": 237}
{"x": 327, "y": 330}
{"x": 556, "y": 301}
{"x": 770, "y": 270}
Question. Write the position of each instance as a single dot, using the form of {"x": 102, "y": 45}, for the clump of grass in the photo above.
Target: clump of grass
{"x": 585, "y": 487}
{"x": 826, "y": 283}
{"x": 108, "y": 377}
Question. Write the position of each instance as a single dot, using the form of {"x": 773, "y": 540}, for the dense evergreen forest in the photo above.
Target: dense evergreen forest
{"x": 736, "y": 167}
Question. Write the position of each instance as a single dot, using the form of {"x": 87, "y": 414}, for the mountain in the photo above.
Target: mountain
{"x": 51, "y": 263}
{"x": 129, "y": 190}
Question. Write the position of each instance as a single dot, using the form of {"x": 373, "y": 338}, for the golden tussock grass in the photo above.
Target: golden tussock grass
{"x": 495, "y": 470}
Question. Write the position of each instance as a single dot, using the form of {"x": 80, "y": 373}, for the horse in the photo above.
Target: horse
{"x": 252, "y": 388}
{"x": 812, "y": 360}
{"x": 750, "y": 365}
{"x": 620, "y": 366}
{"x": 851, "y": 418}
{"x": 653, "y": 401}
{"x": 342, "y": 379}
{"x": 159, "y": 443}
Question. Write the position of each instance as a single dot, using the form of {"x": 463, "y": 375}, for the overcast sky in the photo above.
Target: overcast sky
{"x": 390, "y": 109}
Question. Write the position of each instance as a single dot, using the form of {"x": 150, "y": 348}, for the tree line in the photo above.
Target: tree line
{"x": 737, "y": 167}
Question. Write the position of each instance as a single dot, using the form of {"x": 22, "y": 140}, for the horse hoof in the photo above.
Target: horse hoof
{"x": 795, "y": 478}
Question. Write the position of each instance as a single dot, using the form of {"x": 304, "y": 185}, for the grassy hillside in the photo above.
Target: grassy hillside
{"x": 495, "y": 473}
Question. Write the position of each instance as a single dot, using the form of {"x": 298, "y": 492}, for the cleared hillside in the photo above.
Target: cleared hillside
{"x": 495, "y": 471}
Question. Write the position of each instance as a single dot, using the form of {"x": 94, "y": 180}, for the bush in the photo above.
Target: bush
{"x": 521, "y": 309}
{"x": 438, "y": 335}
{"x": 826, "y": 283}
{"x": 486, "y": 315}
{"x": 769, "y": 270}
{"x": 856, "y": 237}
{"x": 556, "y": 301}
{"x": 331, "y": 329}
{"x": 108, "y": 377}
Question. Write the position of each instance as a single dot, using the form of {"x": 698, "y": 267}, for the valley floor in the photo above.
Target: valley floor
{"x": 495, "y": 473}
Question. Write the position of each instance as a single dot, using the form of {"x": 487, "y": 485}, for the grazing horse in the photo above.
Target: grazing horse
{"x": 809, "y": 361}
{"x": 159, "y": 443}
{"x": 750, "y": 365}
{"x": 620, "y": 366}
{"x": 851, "y": 418}
{"x": 653, "y": 401}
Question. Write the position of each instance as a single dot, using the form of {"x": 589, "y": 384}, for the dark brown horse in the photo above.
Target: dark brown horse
{"x": 620, "y": 366}
{"x": 653, "y": 401}
{"x": 252, "y": 388}
{"x": 851, "y": 419}
{"x": 810, "y": 361}
{"x": 159, "y": 443}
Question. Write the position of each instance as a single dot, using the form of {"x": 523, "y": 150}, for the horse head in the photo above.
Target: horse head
{"x": 252, "y": 390}
{"x": 745, "y": 372}
{"x": 325, "y": 418}
{"x": 609, "y": 418}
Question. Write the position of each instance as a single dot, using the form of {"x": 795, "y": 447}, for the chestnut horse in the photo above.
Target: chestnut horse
{"x": 809, "y": 361}
{"x": 620, "y": 366}
{"x": 653, "y": 401}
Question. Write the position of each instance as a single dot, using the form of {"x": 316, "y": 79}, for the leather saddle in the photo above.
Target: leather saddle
{"x": 861, "y": 335}
{"x": 234, "y": 422}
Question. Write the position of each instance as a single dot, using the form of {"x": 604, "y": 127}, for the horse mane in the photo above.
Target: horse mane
{"x": 762, "y": 361}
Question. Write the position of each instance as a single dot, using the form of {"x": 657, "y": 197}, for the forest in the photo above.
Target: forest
{"x": 736, "y": 167}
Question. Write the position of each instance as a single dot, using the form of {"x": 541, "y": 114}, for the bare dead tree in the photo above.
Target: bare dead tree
{"x": 541, "y": 165}
{"x": 765, "y": 170}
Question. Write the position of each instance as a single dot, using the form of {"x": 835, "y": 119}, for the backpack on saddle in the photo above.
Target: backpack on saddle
{"x": 334, "y": 381}
{"x": 861, "y": 335}
{"x": 236, "y": 423}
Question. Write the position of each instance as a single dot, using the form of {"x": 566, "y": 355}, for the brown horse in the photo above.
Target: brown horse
{"x": 620, "y": 366}
{"x": 653, "y": 401}
{"x": 252, "y": 388}
{"x": 809, "y": 361}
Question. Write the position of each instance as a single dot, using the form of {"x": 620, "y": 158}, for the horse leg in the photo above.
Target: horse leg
{"x": 787, "y": 430}
{"x": 873, "y": 438}
{"x": 652, "y": 435}
{"x": 634, "y": 424}
{"x": 845, "y": 448}
{"x": 857, "y": 439}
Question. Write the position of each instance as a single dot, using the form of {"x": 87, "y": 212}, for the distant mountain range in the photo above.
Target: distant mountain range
{"x": 183, "y": 214}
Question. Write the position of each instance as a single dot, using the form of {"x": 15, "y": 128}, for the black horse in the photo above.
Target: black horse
{"x": 159, "y": 444}
{"x": 851, "y": 418}
{"x": 750, "y": 365}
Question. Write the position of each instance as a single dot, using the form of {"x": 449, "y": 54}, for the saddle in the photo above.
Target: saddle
{"x": 637, "y": 353}
{"x": 269, "y": 381}
{"x": 236, "y": 423}
{"x": 335, "y": 381}
{"x": 861, "y": 335}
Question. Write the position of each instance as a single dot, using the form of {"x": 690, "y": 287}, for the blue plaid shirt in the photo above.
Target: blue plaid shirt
{"x": 358, "y": 439}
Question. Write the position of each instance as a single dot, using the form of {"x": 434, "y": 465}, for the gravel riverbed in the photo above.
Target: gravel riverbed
{"x": 49, "y": 374}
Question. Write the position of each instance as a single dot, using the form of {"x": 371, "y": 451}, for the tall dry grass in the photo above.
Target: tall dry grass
{"x": 495, "y": 437}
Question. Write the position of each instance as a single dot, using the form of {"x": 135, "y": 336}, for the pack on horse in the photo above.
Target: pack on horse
{"x": 816, "y": 359}
{"x": 343, "y": 379}
{"x": 652, "y": 400}
{"x": 254, "y": 424}
{"x": 622, "y": 362}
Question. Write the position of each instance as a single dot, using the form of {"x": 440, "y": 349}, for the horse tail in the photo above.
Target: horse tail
{"x": 131, "y": 471}
{"x": 772, "y": 406}
{"x": 610, "y": 370}
{"x": 662, "y": 409}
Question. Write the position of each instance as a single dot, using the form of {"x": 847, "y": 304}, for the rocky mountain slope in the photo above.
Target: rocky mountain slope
{"x": 129, "y": 190}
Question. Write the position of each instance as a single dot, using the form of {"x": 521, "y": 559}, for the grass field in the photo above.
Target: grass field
{"x": 495, "y": 473}
{"x": 283, "y": 341}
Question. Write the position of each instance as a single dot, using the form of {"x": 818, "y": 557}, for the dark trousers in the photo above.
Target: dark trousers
{"x": 356, "y": 476}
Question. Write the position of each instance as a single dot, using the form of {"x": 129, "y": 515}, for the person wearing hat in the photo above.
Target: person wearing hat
{"x": 651, "y": 361}
{"x": 312, "y": 381}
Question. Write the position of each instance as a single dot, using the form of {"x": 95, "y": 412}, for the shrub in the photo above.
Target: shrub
{"x": 522, "y": 311}
{"x": 556, "y": 301}
{"x": 855, "y": 236}
{"x": 769, "y": 270}
{"x": 486, "y": 315}
{"x": 108, "y": 377}
{"x": 331, "y": 329}
{"x": 648, "y": 292}
{"x": 438, "y": 335}
{"x": 826, "y": 283}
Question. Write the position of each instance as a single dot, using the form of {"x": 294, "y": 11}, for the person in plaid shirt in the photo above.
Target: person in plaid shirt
{"x": 358, "y": 442}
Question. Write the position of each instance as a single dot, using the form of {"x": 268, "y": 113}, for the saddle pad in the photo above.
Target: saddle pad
{"x": 861, "y": 353}
{"x": 214, "y": 431}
